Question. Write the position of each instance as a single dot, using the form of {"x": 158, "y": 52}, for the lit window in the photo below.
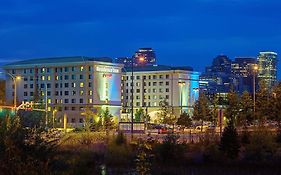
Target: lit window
{"x": 57, "y": 78}
{"x": 81, "y": 68}
{"x": 81, "y": 92}
{"x": 81, "y": 84}
{"x": 73, "y": 85}
{"x": 42, "y": 77}
{"x": 49, "y": 77}
{"x": 49, "y": 101}
{"x": 90, "y": 92}
{"x": 90, "y": 100}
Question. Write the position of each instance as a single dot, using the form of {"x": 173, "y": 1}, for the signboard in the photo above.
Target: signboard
{"x": 107, "y": 69}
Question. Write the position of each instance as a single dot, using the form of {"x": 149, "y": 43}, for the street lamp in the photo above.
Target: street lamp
{"x": 181, "y": 84}
{"x": 14, "y": 78}
{"x": 255, "y": 69}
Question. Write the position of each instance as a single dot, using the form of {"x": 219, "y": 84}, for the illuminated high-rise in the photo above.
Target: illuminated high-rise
{"x": 267, "y": 68}
{"x": 144, "y": 57}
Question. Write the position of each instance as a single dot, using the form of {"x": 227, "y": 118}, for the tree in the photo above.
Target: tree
{"x": 166, "y": 117}
{"x": 229, "y": 143}
{"x": 245, "y": 115}
{"x": 233, "y": 107}
{"x": 89, "y": 119}
{"x": 108, "y": 121}
{"x": 214, "y": 111}
{"x": 139, "y": 115}
{"x": 275, "y": 106}
{"x": 201, "y": 110}
{"x": 184, "y": 120}
{"x": 262, "y": 103}
{"x": 2, "y": 91}
{"x": 25, "y": 150}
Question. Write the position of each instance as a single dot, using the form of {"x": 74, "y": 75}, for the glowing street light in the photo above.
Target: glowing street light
{"x": 141, "y": 59}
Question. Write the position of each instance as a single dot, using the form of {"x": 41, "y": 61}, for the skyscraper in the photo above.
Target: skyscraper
{"x": 217, "y": 78}
{"x": 242, "y": 69}
{"x": 144, "y": 57}
{"x": 267, "y": 68}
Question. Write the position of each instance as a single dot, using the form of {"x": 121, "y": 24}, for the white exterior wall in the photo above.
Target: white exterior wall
{"x": 149, "y": 92}
{"x": 91, "y": 96}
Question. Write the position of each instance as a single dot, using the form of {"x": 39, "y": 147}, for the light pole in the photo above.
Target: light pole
{"x": 141, "y": 59}
{"x": 132, "y": 98}
{"x": 255, "y": 69}
{"x": 181, "y": 84}
{"x": 46, "y": 105}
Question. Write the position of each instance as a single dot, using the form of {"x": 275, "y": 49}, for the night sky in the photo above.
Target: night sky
{"x": 182, "y": 32}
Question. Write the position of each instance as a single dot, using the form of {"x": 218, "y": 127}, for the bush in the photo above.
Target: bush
{"x": 230, "y": 144}
{"x": 262, "y": 147}
{"x": 170, "y": 151}
{"x": 24, "y": 150}
{"x": 120, "y": 139}
{"x": 119, "y": 155}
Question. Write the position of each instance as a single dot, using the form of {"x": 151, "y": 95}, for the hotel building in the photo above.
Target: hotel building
{"x": 153, "y": 84}
{"x": 68, "y": 85}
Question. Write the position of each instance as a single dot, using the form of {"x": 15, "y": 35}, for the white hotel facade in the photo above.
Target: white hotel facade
{"x": 179, "y": 86}
{"x": 71, "y": 84}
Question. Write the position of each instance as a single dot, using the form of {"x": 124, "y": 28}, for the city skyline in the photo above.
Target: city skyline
{"x": 175, "y": 31}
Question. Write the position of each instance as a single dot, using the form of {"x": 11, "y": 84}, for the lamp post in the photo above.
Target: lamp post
{"x": 132, "y": 98}
{"x": 181, "y": 84}
{"x": 141, "y": 59}
{"x": 46, "y": 105}
{"x": 255, "y": 69}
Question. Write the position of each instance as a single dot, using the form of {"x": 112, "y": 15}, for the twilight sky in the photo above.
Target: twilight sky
{"x": 182, "y": 32}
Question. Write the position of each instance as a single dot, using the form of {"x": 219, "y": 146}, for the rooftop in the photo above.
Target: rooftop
{"x": 57, "y": 60}
{"x": 157, "y": 68}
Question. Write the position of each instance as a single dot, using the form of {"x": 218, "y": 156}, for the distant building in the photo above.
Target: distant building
{"x": 242, "y": 69}
{"x": 267, "y": 68}
{"x": 153, "y": 84}
{"x": 124, "y": 60}
{"x": 217, "y": 78}
{"x": 142, "y": 57}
